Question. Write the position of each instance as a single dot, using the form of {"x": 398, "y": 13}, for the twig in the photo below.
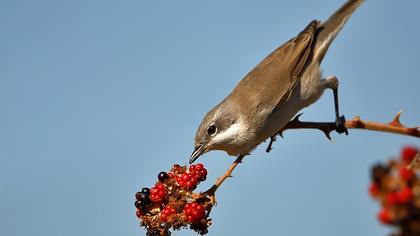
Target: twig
{"x": 416, "y": 162}
{"x": 394, "y": 126}
{"x": 212, "y": 190}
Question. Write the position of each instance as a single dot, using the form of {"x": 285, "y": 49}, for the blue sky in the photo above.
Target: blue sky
{"x": 97, "y": 97}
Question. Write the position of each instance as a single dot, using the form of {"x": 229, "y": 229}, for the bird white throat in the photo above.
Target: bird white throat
{"x": 269, "y": 96}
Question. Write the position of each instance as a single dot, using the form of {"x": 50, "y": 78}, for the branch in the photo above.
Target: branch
{"x": 394, "y": 126}
{"x": 212, "y": 190}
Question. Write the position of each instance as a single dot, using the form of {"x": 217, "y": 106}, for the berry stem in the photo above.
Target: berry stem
{"x": 212, "y": 190}
{"x": 415, "y": 163}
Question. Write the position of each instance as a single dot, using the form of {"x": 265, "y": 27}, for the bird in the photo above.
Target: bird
{"x": 271, "y": 94}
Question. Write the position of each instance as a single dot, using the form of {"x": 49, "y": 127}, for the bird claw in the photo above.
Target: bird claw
{"x": 340, "y": 127}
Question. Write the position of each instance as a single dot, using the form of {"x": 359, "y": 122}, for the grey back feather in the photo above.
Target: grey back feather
{"x": 329, "y": 29}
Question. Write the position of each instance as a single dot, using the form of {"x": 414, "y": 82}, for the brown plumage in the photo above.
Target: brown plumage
{"x": 286, "y": 81}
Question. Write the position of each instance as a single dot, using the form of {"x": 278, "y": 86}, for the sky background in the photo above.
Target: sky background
{"x": 97, "y": 97}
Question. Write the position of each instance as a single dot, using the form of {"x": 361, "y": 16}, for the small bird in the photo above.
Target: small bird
{"x": 269, "y": 96}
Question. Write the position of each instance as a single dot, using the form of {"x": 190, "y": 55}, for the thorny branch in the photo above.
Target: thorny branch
{"x": 394, "y": 126}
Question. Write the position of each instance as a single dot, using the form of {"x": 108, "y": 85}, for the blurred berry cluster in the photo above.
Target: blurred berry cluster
{"x": 396, "y": 186}
{"x": 172, "y": 204}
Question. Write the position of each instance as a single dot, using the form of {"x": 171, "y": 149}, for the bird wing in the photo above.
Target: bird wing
{"x": 273, "y": 79}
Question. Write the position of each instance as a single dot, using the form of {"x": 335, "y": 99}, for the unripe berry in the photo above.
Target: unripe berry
{"x": 139, "y": 213}
{"x": 408, "y": 153}
{"x": 406, "y": 173}
{"x": 384, "y": 216}
{"x": 391, "y": 198}
{"x": 405, "y": 195}
{"x": 373, "y": 189}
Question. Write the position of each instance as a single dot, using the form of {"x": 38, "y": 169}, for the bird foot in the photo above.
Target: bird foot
{"x": 339, "y": 125}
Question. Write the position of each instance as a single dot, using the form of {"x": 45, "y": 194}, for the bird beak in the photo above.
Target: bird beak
{"x": 198, "y": 151}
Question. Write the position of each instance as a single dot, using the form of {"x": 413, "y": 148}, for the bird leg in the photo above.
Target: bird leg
{"x": 270, "y": 145}
{"x": 332, "y": 83}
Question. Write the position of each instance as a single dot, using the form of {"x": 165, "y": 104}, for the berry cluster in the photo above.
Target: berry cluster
{"x": 194, "y": 212}
{"x": 167, "y": 212}
{"x": 194, "y": 175}
{"x": 172, "y": 204}
{"x": 396, "y": 185}
{"x": 158, "y": 193}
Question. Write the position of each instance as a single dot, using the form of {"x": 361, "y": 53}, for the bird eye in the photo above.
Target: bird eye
{"x": 211, "y": 130}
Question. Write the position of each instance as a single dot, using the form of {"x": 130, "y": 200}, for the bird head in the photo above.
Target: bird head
{"x": 219, "y": 130}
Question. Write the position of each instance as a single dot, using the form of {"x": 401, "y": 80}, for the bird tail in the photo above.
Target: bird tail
{"x": 329, "y": 29}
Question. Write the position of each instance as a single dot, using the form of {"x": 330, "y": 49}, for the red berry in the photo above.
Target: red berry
{"x": 199, "y": 166}
{"x": 391, "y": 198}
{"x": 405, "y": 195}
{"x": 154, "y": 191}
{"x": 160, "y": 186}
{"x": 194, "y": 212}
{"x": 166, "y": 213}
{"x": 203, "y": 172}
{"x": 186, "y": 177}
{"x": 139, "y": 213}
{"x": 384, "y": 216}
{"x": 157, "y": 193}
{"x": 408, "y": 153}
{"x": 187, "y": 180}
{"x": 373, "y": 189}
{"x": 406, "y": 174}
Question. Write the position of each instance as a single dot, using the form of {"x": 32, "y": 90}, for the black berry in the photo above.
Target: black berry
{"x": 138, "y": 196}
{"x": 138, "y": 204}
{"x": 378, "y": 172}
{"x": 144, "y": 198}
{"x": 163, "y": 176}
{"x": 146, "y": 191}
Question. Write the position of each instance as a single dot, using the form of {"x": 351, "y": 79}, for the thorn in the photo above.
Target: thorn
{"x": 356, "y": 120}
{"x": 396, "y": 120}
{"x": 273, "y": 138}
{"x": 297, "y": 117}
{"x": 327, "y": 134}
{"x": 280, "y": 133}
{"x": 230, "y": 176}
